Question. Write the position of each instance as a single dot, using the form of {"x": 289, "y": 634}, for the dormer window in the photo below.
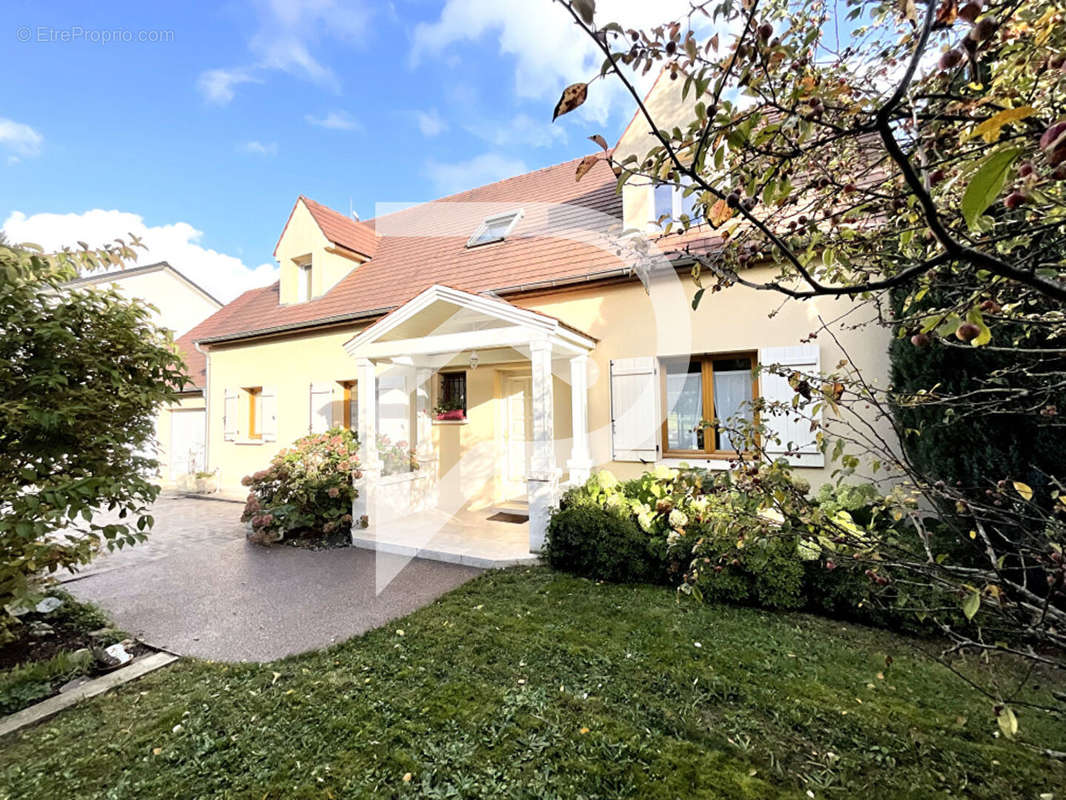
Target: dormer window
{"x": 671, "y": 202}
{"x": 494, "y": 229}
{"x": 303, "y": 280}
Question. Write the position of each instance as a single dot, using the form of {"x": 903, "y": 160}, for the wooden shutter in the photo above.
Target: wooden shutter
{"x": 230, "y": 414}
{"x": 321, "y": 407}
{"x": 794, "y": 431}
{"x": 268, "y": 421}
{"x": 635, "y": 414}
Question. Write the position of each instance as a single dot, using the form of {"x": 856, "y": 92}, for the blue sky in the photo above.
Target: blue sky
{"x": 209, "y": 136}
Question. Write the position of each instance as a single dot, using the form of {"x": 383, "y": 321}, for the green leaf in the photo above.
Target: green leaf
{"x": 971, "y": 604}
{"x": 986, "y": 184}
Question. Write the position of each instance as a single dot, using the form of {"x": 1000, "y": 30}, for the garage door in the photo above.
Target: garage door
{"x": 186, "y": 442}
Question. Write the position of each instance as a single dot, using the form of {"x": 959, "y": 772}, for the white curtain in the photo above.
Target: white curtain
{"x": 732, "y": 389}
{"x": 684, "y": 408}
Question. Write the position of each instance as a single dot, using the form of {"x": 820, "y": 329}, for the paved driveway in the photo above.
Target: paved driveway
{"x": 197, "y": 588}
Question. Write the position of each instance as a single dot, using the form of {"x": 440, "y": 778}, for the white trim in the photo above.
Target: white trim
{"x": 536, "y": 326}
{"x": 515, "y": 216}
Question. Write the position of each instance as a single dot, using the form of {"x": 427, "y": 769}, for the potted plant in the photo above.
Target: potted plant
{"x": 206, "y": 482}
{"x": 450, "y": 410}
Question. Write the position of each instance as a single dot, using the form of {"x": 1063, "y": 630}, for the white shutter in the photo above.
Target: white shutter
{"x": 268, "y": 423}
{"x": 635, "y": 414}
{"x": 321, "y": 407}
{"x": 229, "y": 415}
{"x": 793, "y": 430}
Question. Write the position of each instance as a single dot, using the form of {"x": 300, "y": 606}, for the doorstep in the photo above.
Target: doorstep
{"x": 450, "y": 556}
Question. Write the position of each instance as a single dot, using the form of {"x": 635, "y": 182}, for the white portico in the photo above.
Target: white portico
{"x": 474, "y": 384}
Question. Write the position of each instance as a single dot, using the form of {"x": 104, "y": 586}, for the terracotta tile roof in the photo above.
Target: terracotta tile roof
{"x": 564, "y": 235}
{"x": 343, "y": 230}
{"x": 195, "y": 361}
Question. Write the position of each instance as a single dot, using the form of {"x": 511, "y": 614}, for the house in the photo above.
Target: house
{"x": 179, "y": 305}
{"x": 503, "y": 334}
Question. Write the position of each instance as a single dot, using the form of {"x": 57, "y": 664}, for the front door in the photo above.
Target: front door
{"x": 518, "y": 392}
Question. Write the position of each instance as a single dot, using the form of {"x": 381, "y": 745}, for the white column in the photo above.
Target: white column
{"x": 363, "y": 508}
{"x": 429, "y": 492}
{"x": 580, "y": 461}
{"x": 423, "y": 413}
{"x": 542, "y": 484}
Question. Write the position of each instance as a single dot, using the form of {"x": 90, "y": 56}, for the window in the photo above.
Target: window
{"x": 254, "y": 398}
{"x": 349, "y": 406}
{"x": 451, "y": 398}
{"x": 702, "y": 393}
{"x": 671, "y": 202}
{"x": 303, "y": 280}
{"x": 494, "y": 229}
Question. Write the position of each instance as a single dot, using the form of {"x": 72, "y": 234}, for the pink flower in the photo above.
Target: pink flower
{"x": 334, "y": 491}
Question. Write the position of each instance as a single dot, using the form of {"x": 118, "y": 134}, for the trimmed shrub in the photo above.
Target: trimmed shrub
{"x": 599, "y": 543}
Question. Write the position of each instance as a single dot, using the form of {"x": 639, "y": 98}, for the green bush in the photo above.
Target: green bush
{"x": 307, "y": 490}
{"x": 704, "y": 533}
{"x": 600, "y": 543}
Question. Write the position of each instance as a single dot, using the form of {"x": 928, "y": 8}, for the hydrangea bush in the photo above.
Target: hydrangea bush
{"x": 307, "y": 490}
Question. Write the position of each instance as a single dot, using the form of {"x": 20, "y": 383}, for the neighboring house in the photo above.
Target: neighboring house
{"x": 179, "y": 303}
{"x": 503, "y": 333}
{"x": 179, "y": 306}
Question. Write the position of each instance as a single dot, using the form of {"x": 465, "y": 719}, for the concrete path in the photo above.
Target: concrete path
{"x": 197, "y": 588}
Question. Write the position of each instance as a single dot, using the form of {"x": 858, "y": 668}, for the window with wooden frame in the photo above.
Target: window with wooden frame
{"x": 349, "y": 406}
{"x": 255, "y": 411}
{"x": 451, "y": 396}
{"x": 701, "y": 394}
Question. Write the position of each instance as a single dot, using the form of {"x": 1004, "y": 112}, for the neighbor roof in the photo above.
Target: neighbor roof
{"x": 159, "y": 266}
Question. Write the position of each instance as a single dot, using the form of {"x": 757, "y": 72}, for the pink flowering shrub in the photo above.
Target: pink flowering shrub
{"x": 398, "y": 457}
{"x": 306, "y": 491}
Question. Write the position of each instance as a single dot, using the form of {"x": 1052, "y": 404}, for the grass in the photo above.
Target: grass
{"x": 528, "y": 683}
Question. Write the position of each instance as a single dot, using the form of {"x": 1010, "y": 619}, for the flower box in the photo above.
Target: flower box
{"x": 457, "y": 414}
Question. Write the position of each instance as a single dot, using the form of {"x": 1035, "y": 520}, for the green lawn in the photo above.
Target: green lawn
{"x": 528, "y": 683}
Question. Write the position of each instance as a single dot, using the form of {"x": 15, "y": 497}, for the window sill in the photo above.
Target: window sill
{"x": 451, "y": 422}
{"x": 248, "y": 441}
{"x": 699, "y": 455}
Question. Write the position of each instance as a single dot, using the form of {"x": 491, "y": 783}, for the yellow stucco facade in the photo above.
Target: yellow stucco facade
{"x": 303, "y": 245}
{"x": 627, "y": 321}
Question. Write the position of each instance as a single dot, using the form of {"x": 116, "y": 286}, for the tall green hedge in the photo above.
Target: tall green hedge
{"x": 976, "y": 449}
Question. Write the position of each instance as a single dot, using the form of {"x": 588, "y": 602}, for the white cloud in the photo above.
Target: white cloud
{"x": 257, "y": 148}
{"x": 548, "y": 48}
{"x": 431, "y": 123}
{"x": 287, "y": 33}
{"x": 217, "y": 85}
{"x": 521, "y": 130}
{"x": 20, "y": 138}
{"x": 225, "y": 276}
{"x": 449, "y": 178}
{"x": 336, "y": 121}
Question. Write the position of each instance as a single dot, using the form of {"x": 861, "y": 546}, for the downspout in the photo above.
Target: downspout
{"x": 207, "y": 410}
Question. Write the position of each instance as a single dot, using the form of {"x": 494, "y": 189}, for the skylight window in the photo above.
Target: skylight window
{"x": 494, "y": 229}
